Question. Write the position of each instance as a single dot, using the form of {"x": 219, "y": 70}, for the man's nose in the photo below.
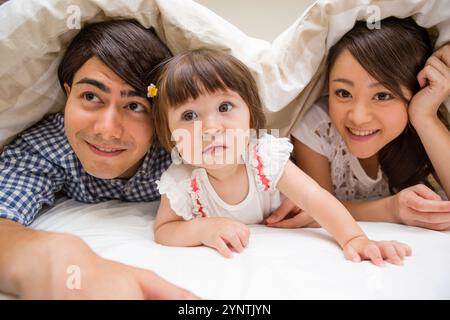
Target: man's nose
{"x": 109, "y": 123}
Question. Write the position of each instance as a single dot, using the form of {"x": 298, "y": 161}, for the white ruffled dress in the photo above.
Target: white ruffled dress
{"x": 191, "y": 194}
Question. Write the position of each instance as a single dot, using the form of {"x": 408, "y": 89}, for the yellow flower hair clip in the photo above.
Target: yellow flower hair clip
{"x": 152, "y": 91}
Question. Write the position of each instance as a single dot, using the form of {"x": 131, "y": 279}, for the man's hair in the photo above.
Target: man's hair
{"x": 197, "y": 72}
{"x": 126, "y": 47}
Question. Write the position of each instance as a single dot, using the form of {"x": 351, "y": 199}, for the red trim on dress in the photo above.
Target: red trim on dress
{"x": 195, "y": 188}
{"x": 264, "y": 180}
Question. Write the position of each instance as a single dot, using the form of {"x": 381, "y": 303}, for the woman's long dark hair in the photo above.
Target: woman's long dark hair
{"x": 394, "y": 54}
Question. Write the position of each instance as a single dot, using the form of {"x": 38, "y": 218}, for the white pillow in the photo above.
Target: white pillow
{"x": 289, "y": 72}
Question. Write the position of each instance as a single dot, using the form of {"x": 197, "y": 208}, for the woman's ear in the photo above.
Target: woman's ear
{"x": 67, "y": 88}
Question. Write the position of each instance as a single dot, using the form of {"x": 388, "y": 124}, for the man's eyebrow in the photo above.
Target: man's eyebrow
{"x": 95, "y": 83}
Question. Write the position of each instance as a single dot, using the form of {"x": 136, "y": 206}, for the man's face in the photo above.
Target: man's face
{"x": 107, "y": 123}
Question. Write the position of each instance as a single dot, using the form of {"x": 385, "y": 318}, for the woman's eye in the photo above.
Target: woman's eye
{"x": 189, "y": 116}
{"x": 383, "y": 96}
{"x": 136, "y": 107}
{"x": 341, "y": 93}
{"x": 91, "y": 97}
{"x": 225, "y": 107}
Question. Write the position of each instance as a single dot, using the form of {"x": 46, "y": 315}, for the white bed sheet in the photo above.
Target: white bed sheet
{"x": 277, "y": 264}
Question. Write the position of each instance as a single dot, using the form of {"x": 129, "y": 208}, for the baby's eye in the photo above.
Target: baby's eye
{"x": 136, "y": 107}
{"x": 341, "y": 93}
{"x": 189, "y": 116}
{"x": 225, "y": 107}
{"x": 383, "y": 96}
{"x": 91, "y": 97}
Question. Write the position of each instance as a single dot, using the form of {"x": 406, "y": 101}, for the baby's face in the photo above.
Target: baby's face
{"x": 366, "y": 114}
{"x": 211, "y": 131}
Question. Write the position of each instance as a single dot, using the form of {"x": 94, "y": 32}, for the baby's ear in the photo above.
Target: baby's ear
{"x": 67, "y": 88}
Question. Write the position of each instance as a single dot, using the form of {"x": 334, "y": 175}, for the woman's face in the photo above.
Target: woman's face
{"x": 212, "y": 130}
{"x": 366, "y": 114}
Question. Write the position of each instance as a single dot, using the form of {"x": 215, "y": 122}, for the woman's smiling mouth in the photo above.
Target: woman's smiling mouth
{"x": 361, "y": 135}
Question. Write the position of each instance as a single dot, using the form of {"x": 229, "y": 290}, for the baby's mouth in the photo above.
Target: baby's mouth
{"x": 214, "y": 149}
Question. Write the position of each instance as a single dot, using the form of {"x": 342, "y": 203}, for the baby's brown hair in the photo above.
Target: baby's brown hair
{"x": 188, "y": 75}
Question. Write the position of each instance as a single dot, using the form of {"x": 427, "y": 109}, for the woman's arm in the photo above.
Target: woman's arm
{"x": 435, "y": 82}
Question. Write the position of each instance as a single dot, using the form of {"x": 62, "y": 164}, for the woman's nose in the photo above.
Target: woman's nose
{"x": 360, "y": 114}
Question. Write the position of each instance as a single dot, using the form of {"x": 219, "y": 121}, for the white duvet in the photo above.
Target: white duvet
{"x": 277, "y": 264}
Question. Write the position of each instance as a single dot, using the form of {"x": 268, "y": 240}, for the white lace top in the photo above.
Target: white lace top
{"x": 191, "y": 194}
{"x": 350, "y": 181}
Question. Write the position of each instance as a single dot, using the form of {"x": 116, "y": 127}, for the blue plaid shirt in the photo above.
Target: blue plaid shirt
{"x": 41, "y": 162}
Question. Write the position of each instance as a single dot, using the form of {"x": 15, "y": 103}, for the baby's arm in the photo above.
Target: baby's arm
{"x": 172, "y": 230}
{"x": 317, "y": 167}
{"x": 215, "y": 232}
{"x": 334, "y": 217}
{"x": 417, "y": 205}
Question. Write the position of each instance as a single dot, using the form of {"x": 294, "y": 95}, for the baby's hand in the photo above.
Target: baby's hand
{"x": 223, "y": 233}
{"x": 361, "y": 248}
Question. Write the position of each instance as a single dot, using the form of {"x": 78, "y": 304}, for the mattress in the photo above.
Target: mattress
{"x": 277, "y": 264}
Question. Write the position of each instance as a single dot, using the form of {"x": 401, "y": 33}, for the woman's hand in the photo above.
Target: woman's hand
{"x": 421, "y": 207}
{"x": 223, "y": 233}
{"x": 361, "y": 248}
{"x": 434, "y": 79}
{"x": 288, "y": 215}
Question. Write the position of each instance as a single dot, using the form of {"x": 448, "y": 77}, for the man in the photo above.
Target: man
{"x": 99, "y": 149}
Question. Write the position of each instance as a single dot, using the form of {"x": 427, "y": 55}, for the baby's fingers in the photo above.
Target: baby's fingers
{"x": 390, "y": 253}
{"x": 235, "y": 242}
{"x": 372, "y": 252}
{"x": 403, "y": 250}
{"x": 351, "y": 254}
{"x": 223, "y": 249}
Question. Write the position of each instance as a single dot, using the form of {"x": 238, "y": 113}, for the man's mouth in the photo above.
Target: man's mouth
{"x": 105, "y": 151}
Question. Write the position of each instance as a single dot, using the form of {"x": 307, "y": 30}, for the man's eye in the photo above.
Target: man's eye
{"x": 189, "y": 116}
{"x": 91, "y": 97}
{"x": 383, "y": 96}
{"x": 136, "y": 107}
{"x": 341, "y": 93}
{"x": 225, "y": 107}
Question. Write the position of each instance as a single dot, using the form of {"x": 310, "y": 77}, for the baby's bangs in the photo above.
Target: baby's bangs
{"x": 196, "y": 75}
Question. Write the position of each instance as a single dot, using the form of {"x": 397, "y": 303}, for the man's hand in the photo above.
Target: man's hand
{"x": 42, "y": 265}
